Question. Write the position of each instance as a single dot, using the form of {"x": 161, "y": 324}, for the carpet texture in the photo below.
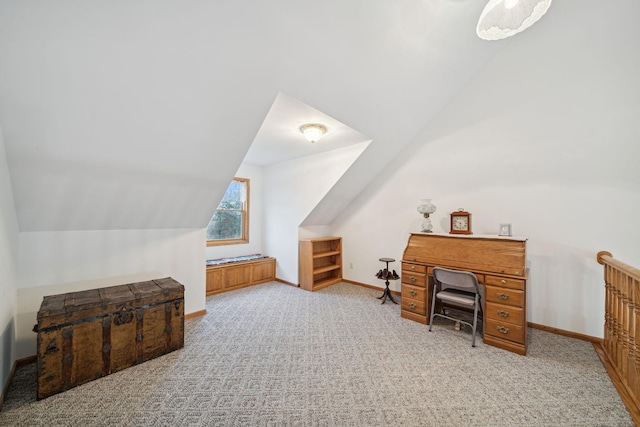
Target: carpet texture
{"x": 275, "y": 355}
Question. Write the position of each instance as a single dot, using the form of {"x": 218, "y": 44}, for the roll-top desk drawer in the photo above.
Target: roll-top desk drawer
{"x": 413, "y": 292}
{"x": 504, "y": 282}
{"x": 414, "y": 279}
{"x": 414, "y": 274}
{"x": 414, "y": 306}
{"x": 497, "y": 262}
{"x": 504, "y": 313}
{"x": 415, "y": 268}
{"x": 504, "y": 296}
{"x": 503, "y": 330}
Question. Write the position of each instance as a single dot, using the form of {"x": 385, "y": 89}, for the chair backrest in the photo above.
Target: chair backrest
{"x": 462, "y": 280}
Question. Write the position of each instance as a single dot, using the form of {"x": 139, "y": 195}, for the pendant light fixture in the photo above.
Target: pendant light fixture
{"x": 503, "y": 18}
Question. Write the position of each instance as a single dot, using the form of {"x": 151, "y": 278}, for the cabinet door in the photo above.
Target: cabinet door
{"x": 237, "y": 276}
{"x": 262, "y": 271}
{"x": 215, "y": 278}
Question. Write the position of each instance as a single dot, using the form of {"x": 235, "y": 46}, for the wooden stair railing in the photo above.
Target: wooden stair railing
{"x": 621, "y": 343}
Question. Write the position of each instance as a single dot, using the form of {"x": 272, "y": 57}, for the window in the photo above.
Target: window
{"x": 230, "y": 223}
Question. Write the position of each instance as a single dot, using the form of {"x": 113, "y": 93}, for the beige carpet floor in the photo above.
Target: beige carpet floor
{"x": 275, "y": 355}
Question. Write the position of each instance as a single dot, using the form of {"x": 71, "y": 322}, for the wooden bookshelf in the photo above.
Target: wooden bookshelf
{"x": 320, "y": 262}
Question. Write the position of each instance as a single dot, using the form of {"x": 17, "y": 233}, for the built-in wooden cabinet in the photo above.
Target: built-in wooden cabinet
{"x": 320, "y": 261}
{"x": 236, "y": 275}
{"x": 215, "y": 280}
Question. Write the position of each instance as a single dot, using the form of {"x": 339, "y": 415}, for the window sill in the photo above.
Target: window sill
{"x": 227, "y": 242}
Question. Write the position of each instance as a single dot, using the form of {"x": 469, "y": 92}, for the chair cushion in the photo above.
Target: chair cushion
{"x": 457, "y": 297}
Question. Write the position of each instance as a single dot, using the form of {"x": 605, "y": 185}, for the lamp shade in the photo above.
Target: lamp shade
{"x": 313, "y": 132}
{"x": 503, "y": 18}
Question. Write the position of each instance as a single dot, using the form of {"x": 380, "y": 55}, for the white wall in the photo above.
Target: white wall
{"x": 8, "y": 271}
{"x": 546, "y": 137}
{"x": 254, "y": 174}
{"x": 58, "y": 262}
{"x": 291, "y": 190}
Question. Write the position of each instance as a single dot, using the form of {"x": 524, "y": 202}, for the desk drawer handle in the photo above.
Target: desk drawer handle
{"x": 412, "y": 305}
{"x": 504, "y": 282}
{"x": 413, "y": 267}
{"x": 502, "y": 296}
{"x": 413, "y": 293}
{"x": 502, "y": 329}
{"x": 412, "y": 278}
{"x": 503, "y": 313}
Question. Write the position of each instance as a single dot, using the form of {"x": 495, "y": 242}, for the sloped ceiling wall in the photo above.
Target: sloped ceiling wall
{"x": 545, "y": 137}
{"x": 135, "y": 115}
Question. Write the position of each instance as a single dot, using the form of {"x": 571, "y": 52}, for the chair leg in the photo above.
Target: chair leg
{"x": 433, "y": 306}
{"x": 475, "y": 322}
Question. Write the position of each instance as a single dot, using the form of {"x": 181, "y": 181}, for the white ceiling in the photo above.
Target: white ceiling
{"x": 135, "y": 115}
{"x": 279, "y": 138}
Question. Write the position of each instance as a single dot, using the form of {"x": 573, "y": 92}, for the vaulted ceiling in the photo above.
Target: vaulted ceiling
{"x": 135, "y": 115}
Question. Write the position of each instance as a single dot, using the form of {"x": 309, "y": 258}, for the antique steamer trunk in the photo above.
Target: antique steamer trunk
{"x": 89, "y": 334}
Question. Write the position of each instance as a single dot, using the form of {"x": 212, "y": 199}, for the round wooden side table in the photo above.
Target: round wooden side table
{"x": 387, "y": 275}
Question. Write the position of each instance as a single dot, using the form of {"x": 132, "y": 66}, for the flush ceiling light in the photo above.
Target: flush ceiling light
{"x": 312, "y": 131}
{"x": 503, "y": 18}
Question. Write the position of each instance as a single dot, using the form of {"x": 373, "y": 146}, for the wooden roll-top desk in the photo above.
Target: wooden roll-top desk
{"x": 500, "y": 266}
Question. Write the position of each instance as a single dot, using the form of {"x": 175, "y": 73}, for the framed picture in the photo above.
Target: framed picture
{"x": 504, "y": 230}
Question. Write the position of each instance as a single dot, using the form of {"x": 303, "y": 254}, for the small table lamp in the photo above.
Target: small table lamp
{"x": 426, "y": 208}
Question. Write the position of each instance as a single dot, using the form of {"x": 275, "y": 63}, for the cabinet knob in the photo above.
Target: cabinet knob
{"x": 503, "y": 313}
{"x": 412, "y": 278}
{"x": 412, "y": 305}
{"x": 504, "y": 282}
{"x": 502, "y": 329}
{"x": 413, "y": 293}
{"x": 502, "y": 296}
{"x": 413, "y": 267}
